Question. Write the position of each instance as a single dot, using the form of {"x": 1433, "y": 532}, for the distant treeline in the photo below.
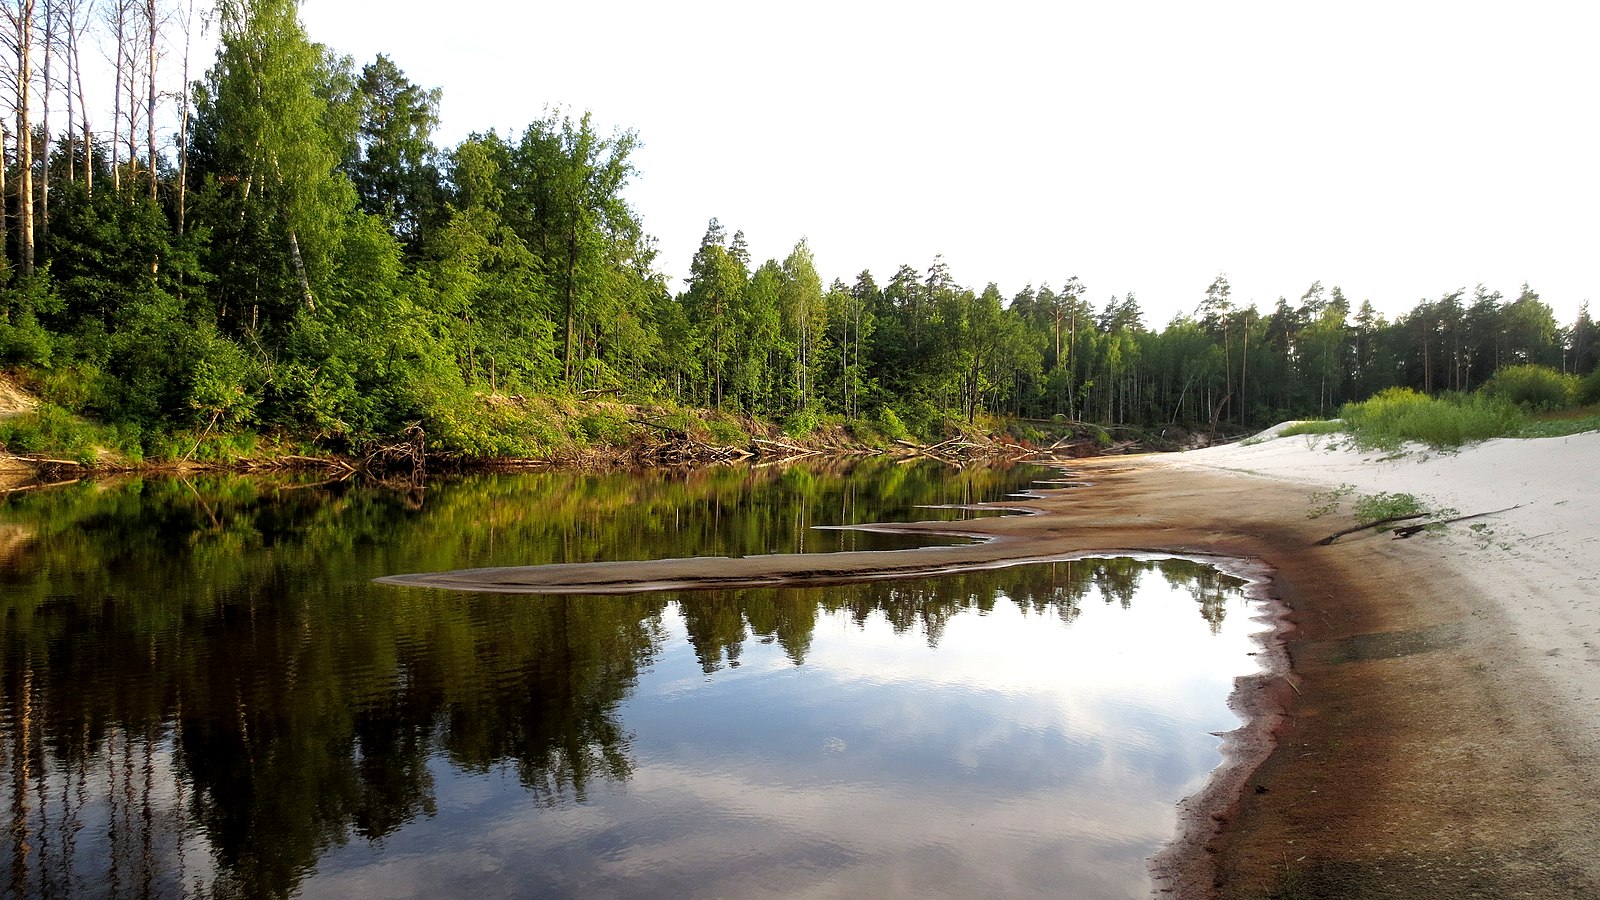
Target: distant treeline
{"x": 303, "y": 257}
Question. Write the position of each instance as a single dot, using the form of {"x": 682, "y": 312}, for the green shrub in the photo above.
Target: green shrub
{"x": 1533, "y": 388}
{"x": 608, "y": 427}
{"x": 1329, "y": 426}
{"x": 727, "y": 432}
{"x": 1589, "y": 388}
{"x": 1378, "y": 507}
{"x": 866, "y": 433}
{"x": 50, "y": 430}
{"x": 889, "y": 424}
{"x": 1398, "y": 415}
{"x": 801, "y": 422}
{"x": 25, "y": 341}
{"x": 1025, "y": 433}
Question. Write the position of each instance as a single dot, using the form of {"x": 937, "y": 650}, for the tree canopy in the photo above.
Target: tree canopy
{"x": 305, "y": 257}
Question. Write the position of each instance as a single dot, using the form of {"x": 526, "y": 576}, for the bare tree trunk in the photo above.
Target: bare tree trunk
{"x": 88, "y": 143}
{"x": 44, "y": 120}
{"x": 1244, "y": 369}
{"x": 183, "y": 122}
{"x": 4, "y": 235}
{"x": 150, "y": 111}
{"x": 132, "y": 86}
{"x": 71, "y": 61}
{"x": 78, "y": 25}
{"x": 300, "y": 271}
{"x": 119, "y": 26}
{"x": 24, "y": 23}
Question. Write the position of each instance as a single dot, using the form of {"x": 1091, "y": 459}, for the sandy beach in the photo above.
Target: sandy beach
{"x": 1432, "y": 726}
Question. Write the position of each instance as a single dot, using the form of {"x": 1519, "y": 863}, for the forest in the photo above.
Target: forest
{"x": 299, "y": 257}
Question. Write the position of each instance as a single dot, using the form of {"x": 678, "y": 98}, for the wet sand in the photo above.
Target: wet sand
{"x": 1418, "y": 742}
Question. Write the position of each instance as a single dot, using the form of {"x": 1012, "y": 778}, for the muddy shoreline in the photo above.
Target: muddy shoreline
{"x": 1397, "y": 746}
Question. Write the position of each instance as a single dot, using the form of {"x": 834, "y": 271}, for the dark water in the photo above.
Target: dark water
{"x": 203, "y": 695}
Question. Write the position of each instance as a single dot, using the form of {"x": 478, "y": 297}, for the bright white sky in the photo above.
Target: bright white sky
{"x": 1399, "y": 150}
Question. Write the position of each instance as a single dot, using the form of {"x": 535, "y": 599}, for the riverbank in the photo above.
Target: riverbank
{"x": 1436, "y": 734}
{"x": 1444, "y": 735}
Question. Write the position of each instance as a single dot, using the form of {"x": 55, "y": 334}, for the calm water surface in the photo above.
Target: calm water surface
{"x": 203, "y": 695}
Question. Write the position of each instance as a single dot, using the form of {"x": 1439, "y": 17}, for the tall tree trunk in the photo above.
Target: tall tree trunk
{"x": 44, "y": 121}
{"x": 1244, "y": 369}
{"x": 300, "y": 271}
{"x": 132, "y": 86}
{"x": 150, "y": 110}
{"x": 24, "y": 74}
{"x": 569, "y": 299}
{"x": 119, "y": 23}
{"x": 83, "y": 111}
{"x": 183, "y": 124}
{"x": 4, "y": 216}
{"x": 71, "y": 61}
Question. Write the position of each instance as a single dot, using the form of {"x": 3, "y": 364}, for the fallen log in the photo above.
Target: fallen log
{"x": 1409, "y": 530}
{"x": 38, "y": 487}
{"x": 1376, "y": 524}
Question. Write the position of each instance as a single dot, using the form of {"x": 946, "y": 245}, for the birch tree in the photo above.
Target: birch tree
{"x": 20, "y": 36}
{"x": 269, "y": 124}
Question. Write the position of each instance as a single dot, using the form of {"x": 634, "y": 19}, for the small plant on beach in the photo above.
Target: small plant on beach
{"x": 1291, "y": 883}
{"x": 1378, "y": 507}
{"x": 1325, "y": 502}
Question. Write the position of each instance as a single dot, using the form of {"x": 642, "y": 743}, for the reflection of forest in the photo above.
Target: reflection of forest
{"x": 200, "y": 686}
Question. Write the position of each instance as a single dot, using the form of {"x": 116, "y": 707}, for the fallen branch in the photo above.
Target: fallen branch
{"x": 36, "y": 461}
{"x": 1409, "y": 530}
{"x": 39, "y": 487}
{"x": 1378, "y": 524}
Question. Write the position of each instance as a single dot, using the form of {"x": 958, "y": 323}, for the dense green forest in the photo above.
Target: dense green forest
{"x": 303, "y": 259}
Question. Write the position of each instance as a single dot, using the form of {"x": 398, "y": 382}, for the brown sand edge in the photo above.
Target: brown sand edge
{"x": 1186, "y": 865}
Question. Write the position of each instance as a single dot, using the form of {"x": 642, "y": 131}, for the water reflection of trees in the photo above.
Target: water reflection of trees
{"x": 199, "y": 686}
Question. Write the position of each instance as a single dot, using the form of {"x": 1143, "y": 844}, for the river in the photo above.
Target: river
{"x": 205, "y": 694}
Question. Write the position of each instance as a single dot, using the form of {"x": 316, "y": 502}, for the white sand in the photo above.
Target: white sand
{"x": 1540, "y": 563}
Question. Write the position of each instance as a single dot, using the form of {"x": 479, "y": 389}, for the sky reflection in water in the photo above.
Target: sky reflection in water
{"x": 1015, "y": 756}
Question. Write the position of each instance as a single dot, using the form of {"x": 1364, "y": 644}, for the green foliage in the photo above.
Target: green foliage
{"x": 1400, "y": 415}
{"x": 1561, "y": 426}
{"x": 727, "y": 431}
{"x": 1377, "y": 507}
{"x": 50, "y": 431}
{"x": 605, "y": 426}
{"x": 1325, "y": 502}
{"x": 1533, "y": 388}
{"x": 333, "y": 274}
{"x": 889, "y": 423}
{"x": 802, "y": 422}
{"x": 1589, "y": 388}
{"x": 1314, "y": 426}
{"x": 24, "y": 341}
{"x": 1021, "y": 431}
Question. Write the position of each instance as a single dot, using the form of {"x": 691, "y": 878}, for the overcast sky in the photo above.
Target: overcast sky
{"x": 1400, "y": 150}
